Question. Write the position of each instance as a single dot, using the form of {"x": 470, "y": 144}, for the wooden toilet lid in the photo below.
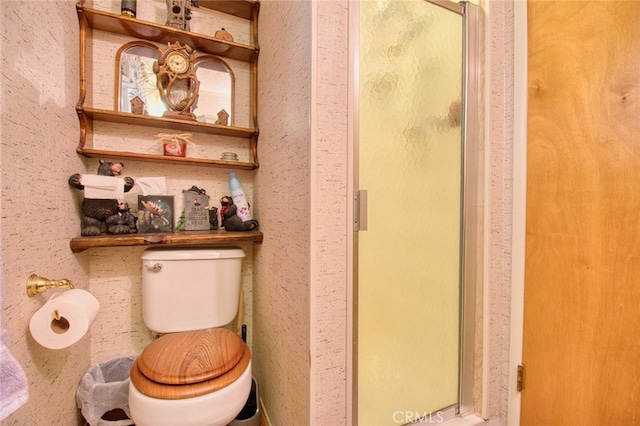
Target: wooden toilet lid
{"x": 191, "y": 356}
{"x": 201, "y": 361}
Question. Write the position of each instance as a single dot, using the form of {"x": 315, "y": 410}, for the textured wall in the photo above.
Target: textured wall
{"x": 328, "y": 211}
{"x": 499, "y": 198}
{"x": 300, "y": 291}
{"x": 39, "y": 135}
{"x": 282, "y": 199}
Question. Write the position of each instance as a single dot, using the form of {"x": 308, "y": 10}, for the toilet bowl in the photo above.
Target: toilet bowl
{"x": 198, "y": 374}
{"x": 204, "y": 384}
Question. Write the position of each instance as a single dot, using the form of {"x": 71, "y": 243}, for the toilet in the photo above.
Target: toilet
{"x": 197, "y": 373}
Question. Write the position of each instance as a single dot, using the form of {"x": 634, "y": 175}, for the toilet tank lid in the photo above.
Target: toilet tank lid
{"x": 193, "y": 253}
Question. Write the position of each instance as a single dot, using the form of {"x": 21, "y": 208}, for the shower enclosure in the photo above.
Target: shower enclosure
{"x": 417, "y": 209}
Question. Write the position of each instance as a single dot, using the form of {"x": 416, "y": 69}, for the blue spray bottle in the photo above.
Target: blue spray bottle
{"x": 239, "y": 199}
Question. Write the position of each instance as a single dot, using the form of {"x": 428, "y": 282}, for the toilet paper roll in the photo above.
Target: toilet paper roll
{"x": 76, "y": 310}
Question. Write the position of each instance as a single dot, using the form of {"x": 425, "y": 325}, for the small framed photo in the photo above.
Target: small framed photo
{"x": 155, "y": 213}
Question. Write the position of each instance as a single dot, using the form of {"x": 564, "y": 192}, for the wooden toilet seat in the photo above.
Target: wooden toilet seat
{"x": 190, "y": 364}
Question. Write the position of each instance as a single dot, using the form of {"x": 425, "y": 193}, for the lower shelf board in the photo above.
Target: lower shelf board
{"x": 80, "y": 244}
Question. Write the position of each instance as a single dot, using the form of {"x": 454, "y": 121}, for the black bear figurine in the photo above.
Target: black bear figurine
{"x": 230, "y": 220}
{"x": 109, "y": 211}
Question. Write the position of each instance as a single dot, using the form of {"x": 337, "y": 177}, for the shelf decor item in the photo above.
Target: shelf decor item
{"x": 179, "y": 13}
{"x": 196, "y": 215}
{"x": 137, "y": 105}
{"x": 177, "y": 80}
{"x": 174, "y": 145}
{"x": 128, "y": 8}
{"x": 103, "y": 203}
{"x": 223, "y": 34}
{"x": 155, "y": 213}
{"x": 223, "y": 118}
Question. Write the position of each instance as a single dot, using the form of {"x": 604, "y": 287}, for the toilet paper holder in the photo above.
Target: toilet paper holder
{"x": 37, "y": 284}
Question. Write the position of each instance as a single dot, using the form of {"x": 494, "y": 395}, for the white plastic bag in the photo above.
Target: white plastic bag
{"x": 103, "y": 388}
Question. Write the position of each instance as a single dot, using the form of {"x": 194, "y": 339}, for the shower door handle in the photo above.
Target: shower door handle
{"x": 360, "y": 210}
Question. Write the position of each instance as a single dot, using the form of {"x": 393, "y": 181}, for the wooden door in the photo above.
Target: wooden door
{"x": 581, "y": 352}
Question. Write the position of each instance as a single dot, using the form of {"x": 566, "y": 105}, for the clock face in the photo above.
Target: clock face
{"x": 177, "y": 81}
{"x": 177, "y": 63}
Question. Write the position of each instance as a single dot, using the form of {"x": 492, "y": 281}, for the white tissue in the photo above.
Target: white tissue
{"x": 152, "y": 185}
{"x": 76, "y": 309}
{"x": 103, "y": 187}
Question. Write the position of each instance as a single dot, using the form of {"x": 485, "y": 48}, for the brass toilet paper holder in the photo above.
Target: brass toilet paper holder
{"x": 36, "y": 284}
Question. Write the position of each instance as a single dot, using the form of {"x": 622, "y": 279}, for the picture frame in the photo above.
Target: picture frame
{"x": 156, "y": 213}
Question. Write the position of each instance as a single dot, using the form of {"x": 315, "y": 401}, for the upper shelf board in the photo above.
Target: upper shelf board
{"x": 123, "y": 25}
{"x": 245, "y": 9}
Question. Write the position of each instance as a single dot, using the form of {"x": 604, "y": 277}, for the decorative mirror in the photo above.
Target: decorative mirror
{"x": 136, "y": 89}
{"x": 137, "y": 92}
{"x": 217, "y": 84}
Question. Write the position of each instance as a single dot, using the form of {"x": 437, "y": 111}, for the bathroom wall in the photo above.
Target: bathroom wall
{"x": 282, "y": 201}
{"x": 329, "y": 200}
{"x": 300, "y": 191}
{"x": 499, "y": 165}
{"x": 39, "y": 135}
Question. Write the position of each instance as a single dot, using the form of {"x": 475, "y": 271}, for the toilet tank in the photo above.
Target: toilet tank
{"x": 190, "y": 289}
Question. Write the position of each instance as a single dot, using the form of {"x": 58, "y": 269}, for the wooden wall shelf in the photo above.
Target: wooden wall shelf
{"x": 132, "y": 27}
{"x": 185, "y": 238}
{"x": 93, "y": 19}
{"x": 86, "y": 115}
{"x": 164, "y": 123}
{"x": 245, "y": 9}
{"x": 101, "y": 153}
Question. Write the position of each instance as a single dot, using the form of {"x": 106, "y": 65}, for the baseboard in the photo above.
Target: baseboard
{"x": 264, "y": 417}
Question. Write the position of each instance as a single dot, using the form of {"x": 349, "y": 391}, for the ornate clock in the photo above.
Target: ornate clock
{"x": 177, "y": 80}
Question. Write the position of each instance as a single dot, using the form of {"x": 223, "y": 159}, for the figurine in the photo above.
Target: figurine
{"x": 137, "y": 106}
{"x": 230, "y": 220}
{"x": 96, "y": 211}
{"x": 123, "y": 222}
{"x": 223, "y": 118}
{"x": 225, "y": 203}
{"x": 213, "y": 217}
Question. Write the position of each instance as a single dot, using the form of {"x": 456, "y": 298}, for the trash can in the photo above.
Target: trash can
{"x": 250, "y": 414}
{"x": 103, "y": 393}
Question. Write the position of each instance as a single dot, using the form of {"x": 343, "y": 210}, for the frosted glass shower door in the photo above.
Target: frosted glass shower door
{"x": 409, "y": 258}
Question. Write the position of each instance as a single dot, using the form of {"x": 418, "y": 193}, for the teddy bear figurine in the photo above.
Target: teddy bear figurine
{"x": 96, "y": 211}
{"x": 230, "y": 219}
{"x": 123, "y": 222}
